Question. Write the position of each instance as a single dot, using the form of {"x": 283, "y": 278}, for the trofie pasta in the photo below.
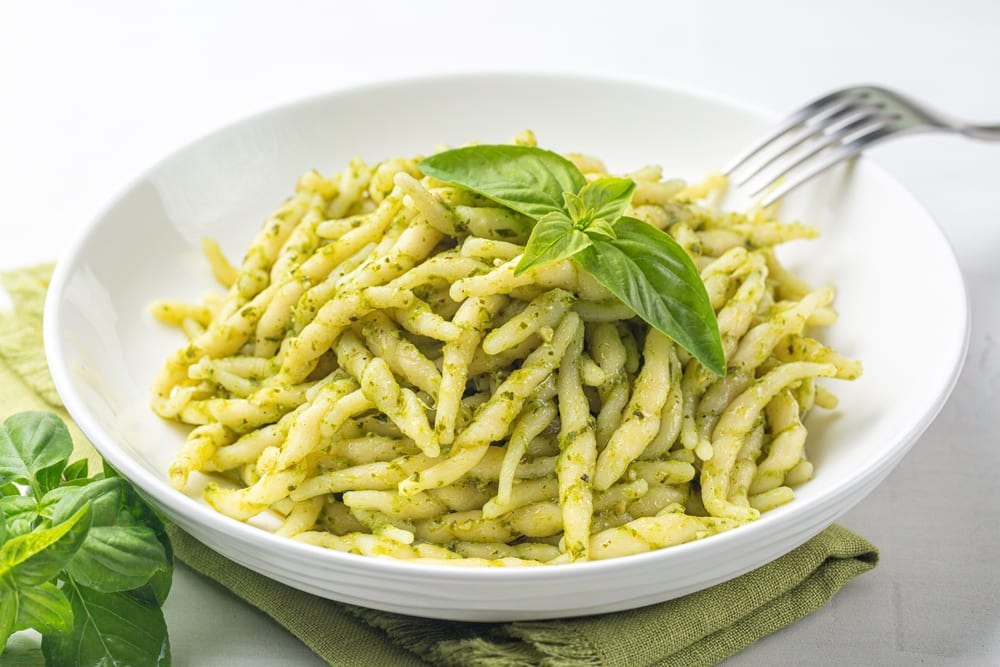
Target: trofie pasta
{"x": 378, "y": 377}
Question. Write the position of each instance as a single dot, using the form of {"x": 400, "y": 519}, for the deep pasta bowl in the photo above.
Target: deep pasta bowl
{"x": 889, "y": 262}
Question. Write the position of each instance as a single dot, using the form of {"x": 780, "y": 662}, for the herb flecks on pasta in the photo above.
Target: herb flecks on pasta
{"x": 386, "y": 375}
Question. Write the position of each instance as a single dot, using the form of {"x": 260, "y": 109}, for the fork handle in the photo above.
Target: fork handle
{"x": 984, "y": 132}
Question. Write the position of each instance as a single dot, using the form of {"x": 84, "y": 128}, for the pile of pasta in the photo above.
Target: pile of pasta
{"x": 376, "y": 377}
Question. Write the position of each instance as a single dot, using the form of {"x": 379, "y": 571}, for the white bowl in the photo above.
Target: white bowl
{"x": 900, "y": 296}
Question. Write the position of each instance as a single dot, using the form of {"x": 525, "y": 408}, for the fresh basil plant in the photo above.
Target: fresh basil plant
{"x": 642, "y": 266}
{"x": 83, "y": 560}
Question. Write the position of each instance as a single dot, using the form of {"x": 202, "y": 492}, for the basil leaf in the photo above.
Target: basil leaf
{"x": 552, "y": 239}
{"x": 105, "y": 497}
{"x": 607, "y": 197}
{"x": 31, "y": 442}
{"x": 527, "y": 179}
{"x": 76, "y": 471}
{"x": 109, "y": 629}
{"x": 118, "y": 553}
{"x": 50, "y": 478}
{"x": 10, "y": 506}
{"x": 51, "y": 500}
{"x": 654, "y": 276}
{"x": 8, "y": 610}
{"x": 118, "y": 558}
{"x": 575, "y": 207}
{"x": 19, "y": 525}
{"x": 107, "y": 470}
{"x": 16, "y": 509}
{"x": 40, "y": 555}
{"x": 44, "y": 608}
{"x": 154, "y": 591}
{"x": 601, "y": 227}
{"x": 158, "y": 587}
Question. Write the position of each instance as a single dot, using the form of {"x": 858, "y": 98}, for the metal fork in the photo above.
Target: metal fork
{"x": 832, "y": 128}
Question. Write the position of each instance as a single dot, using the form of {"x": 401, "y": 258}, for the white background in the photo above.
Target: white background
{"x": 92, "y": 93}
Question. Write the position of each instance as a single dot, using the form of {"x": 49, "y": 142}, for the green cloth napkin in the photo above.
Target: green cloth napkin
{"x": 702, "y": 628}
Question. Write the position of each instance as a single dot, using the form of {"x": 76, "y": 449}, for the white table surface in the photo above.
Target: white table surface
{"x": 91, "y": 93}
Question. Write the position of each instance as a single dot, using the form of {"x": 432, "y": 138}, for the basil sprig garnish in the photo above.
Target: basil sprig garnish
{"x": 644, "y": 267}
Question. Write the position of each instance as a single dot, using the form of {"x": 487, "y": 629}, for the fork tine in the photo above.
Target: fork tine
{"x": 845, "y": 114}
{"x": 857, "y": 129}
{"x": 843, "y": 152}
{"x": 818, "y": 108}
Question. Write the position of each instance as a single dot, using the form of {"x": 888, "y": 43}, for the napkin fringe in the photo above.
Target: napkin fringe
{"x": 560, "y": 644}
{"x": 520, "y": 644}
{"x": 452, "y": 644}
{"x": 480, "y": 652}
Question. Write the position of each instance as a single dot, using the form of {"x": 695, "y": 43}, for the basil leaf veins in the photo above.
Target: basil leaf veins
{"x": 529, "y": 180}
